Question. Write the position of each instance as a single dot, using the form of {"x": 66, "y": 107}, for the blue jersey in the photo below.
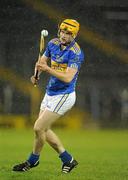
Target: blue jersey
{"x": 71, "y": 56}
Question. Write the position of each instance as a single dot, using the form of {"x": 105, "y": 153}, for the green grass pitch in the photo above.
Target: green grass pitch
{"x": 102, "y": 155}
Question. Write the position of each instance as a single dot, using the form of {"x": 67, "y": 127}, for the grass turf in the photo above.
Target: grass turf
{"x": 102, "y": 155}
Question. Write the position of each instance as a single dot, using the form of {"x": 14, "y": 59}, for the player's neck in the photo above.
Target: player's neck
{"x": 63, "y": 47}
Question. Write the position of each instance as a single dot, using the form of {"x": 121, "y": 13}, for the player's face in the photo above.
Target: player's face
{"x": 65, "y": 37}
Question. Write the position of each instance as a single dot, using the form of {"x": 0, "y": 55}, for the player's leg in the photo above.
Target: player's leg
{"x": 45, "y": 119}
{"x": 54, "y": 141}
{"x": 68, "y": 162}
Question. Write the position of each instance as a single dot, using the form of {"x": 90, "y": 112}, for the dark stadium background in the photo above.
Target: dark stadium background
{"x": 102, "y": 88}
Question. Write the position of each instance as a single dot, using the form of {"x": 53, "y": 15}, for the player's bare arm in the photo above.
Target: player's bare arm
{"x": 42, "y": 60}
{"x": 66, "y": 76}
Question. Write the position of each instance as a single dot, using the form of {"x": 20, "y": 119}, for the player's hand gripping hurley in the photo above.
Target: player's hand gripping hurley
{"x": 44, "y": 33}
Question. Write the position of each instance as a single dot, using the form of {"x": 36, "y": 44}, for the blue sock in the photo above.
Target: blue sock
{"x": 65, "y": 157}
{"x": 33, "y": 158}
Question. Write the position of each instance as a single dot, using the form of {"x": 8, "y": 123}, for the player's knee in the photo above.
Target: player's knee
{"x": 37, "y": 129}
